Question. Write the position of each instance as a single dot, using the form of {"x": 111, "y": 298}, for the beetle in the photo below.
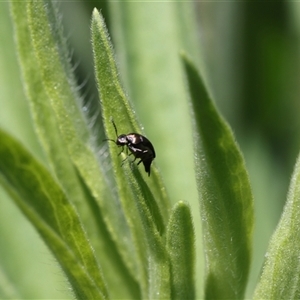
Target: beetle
{"x": 138, "y": 145}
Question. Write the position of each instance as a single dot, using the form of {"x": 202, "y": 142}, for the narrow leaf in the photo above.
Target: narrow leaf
{"x": 225, "y": 196}
{"x": 181, "y": 248}
{"x": 46, "y": 124}
{"x": 151, "y": 69}
{"x": 56, "y": 73}
{"x": 46, "y": 206}
{"x": 110, "y": 89}
{"x": 157, "y": 258}
{"x": 115, "y": 106}
{"x": 280, "y": 278}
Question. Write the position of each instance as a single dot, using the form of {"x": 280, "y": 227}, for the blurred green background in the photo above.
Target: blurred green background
{"x": 249, "y": 56}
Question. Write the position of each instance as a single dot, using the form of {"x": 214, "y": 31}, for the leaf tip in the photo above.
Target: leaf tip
{"x": 95, "y": 12}
{"x": 96, "y": 17}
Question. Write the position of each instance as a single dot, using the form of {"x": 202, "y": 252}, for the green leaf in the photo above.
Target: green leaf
{"x": 181, "y": 248}
{"x": 46, "y": 206}
{"x": 116, "y": 106}
{"x": 151, "y": 69}
{"x": 57, "y": 79}
{"x": 44, "y": 117}
{"x": 225, "y": 196}
{"x": 157, "y": 258}
{"x": 280, "y": 278}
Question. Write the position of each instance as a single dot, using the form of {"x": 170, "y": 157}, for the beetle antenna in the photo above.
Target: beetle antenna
{"x": 115, "y": 127}
{"x": 109, "y": 140}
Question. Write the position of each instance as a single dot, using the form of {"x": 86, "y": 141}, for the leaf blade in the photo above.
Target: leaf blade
{"x": 280, "y": 277}
{"x": 46, "y": 124}
{"x": 106, "y": 74}
{"x": 56, "y": 74}
{"x": 115, "y": 105}
{"x": 225, "y": 195}
{"x": 181, "y": 248}
{"x": 158, "y": 271}
{"x": 45, "y": 205}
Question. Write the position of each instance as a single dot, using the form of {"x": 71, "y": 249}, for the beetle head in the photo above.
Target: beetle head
{"x": 122, "y": 140}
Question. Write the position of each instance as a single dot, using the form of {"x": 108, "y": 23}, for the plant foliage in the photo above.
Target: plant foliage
{"x": 113, "y": 230}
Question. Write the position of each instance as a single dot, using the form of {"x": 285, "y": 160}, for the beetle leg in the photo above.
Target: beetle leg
{"x": 121, "y": 150}
{"x": 122, "y": 163}
{"x": 127, "y": 158}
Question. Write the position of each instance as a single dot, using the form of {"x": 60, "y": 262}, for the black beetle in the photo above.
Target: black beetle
{"x": 139, "y": 146}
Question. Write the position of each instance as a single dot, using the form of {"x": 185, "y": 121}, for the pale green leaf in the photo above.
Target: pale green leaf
{"x": 148, "y": 36}
{"x": 181, "y": 247}
{"x": 115, "y": 106}
{"x": 49, "y": 47}
{"x": 225, "y": 196}
{"x": 280, "y": 278}
{"x": 46, "y": 206}
{"x": 157, "y": 257}
{"x": 45, "y": 121}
